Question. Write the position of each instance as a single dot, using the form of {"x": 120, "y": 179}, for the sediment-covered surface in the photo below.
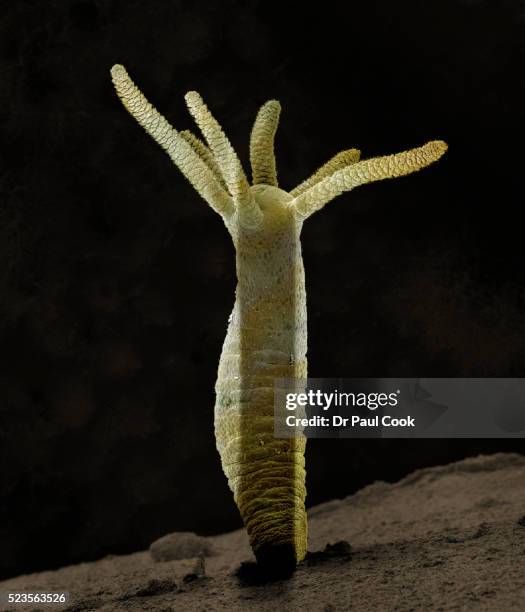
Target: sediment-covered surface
{"x": 443, "y": 538}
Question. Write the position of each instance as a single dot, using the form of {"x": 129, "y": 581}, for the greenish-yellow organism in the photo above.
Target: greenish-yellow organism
{"x": 266, "y": 337}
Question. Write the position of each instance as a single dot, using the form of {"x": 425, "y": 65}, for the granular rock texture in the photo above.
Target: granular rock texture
{"x": 443, "y": 538}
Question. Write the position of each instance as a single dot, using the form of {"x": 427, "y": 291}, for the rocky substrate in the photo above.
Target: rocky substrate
{"x": 443, "y": 538}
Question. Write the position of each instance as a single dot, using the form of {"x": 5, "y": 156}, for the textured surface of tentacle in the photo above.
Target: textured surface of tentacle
{"x": 375, "y": 169}
{"x": 205, "y": 154}
{"x": 230, "y": 165}
{"x": 342, "y": 159}
{"x": 262, "y": 154}
{"x": 182, "y": 154}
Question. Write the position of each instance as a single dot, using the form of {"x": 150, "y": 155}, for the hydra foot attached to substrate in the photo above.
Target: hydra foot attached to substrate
{"x": 276, "y": 560}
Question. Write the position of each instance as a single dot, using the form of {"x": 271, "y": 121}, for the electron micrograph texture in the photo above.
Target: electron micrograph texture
{"x": 117, "y": 281}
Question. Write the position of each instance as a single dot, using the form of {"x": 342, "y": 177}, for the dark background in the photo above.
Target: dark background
{"x": 116, "y": 281}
